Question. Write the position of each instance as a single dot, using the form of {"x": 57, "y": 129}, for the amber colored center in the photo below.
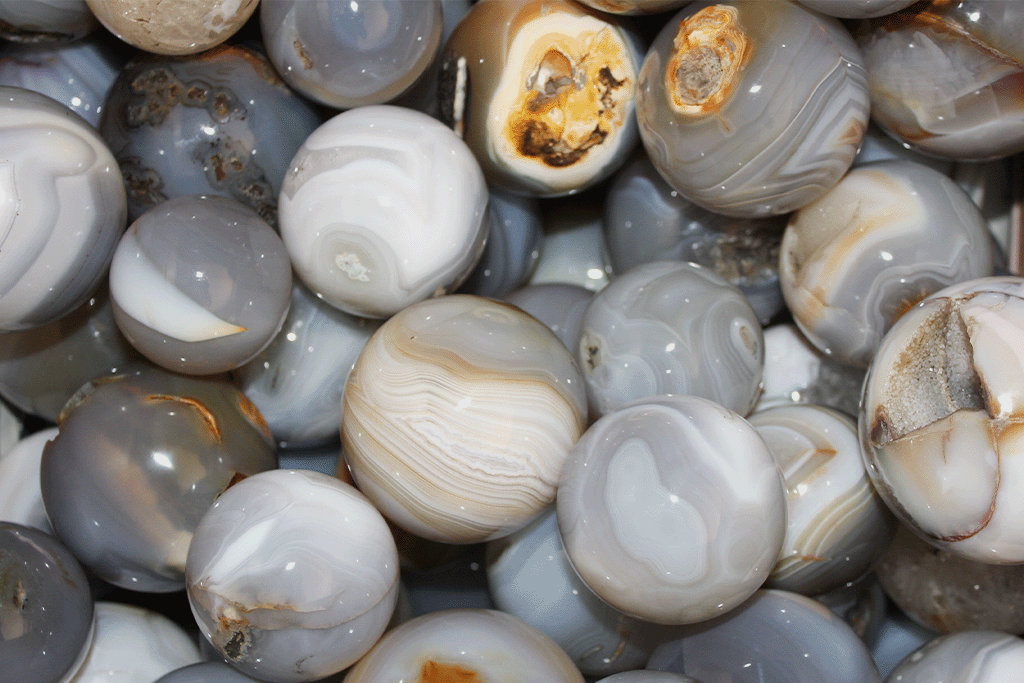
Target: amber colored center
{"x": 438, "y": 672}
{"x": 709, "y": 51}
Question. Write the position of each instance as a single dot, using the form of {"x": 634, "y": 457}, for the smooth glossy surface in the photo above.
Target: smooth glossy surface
{"x": 45, "y": 21}
{"x": 62, "y": 209}
{"x": 672, "y": 509}
{"x": 965, "y": 657}
{"x": 671, "y": 328}
{"x": 137, "y": 461}
{"x": 292, "y": 575}
{"x": 775, "y": 636}
{"x": 383, "y": 207}
{"x": 837, "y": 525}
{"x": 513, "y": 246}
{"x": 889, "y": 234}
{"x": 200, "y": 285}
{"x": 221, "y": 122}
{"x": 21, "y": 499}
{"x": 46, "y": 607}
{"x": 465, "y": 645}
{"x": 207, "y": 672}
{"x": 459, "y": 415}
{"x": 857, "y": 9}
{"x": 752, "y": 108}
{"x": 345, "y": 54}
{"x": 938, "y": 416}
{"x": 572, "y": 250}
{"x": 559, "y": 306}
{"x": 173, "y": 28}
{"x": 543, "y": 93}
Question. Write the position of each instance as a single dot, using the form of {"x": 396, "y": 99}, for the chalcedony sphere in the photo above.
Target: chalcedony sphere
{"x": 292, "y": 575}
{"x": 465, "y": 645}
{"x": 459, "y": 414}
{"x": 752, "y": 108}
{"x": 62, "y": 205}
{"x": 46, "y": 607}
{"x": 857, "y": 9}
{"x": 45, "y": 21}
{"x": 671, "y": 327}
{"x": 886, "y": 236}
{"x": 173, "y": 28}
{"x": 963, "y": 657}
{"x": 383, "y": 207}
{"x": 21, "y": 498}
{"x": 137, "y": 460}
{"x": 938, "y": 419}
{"x": 543, "y": 92}
{"x": 672, "y": 509}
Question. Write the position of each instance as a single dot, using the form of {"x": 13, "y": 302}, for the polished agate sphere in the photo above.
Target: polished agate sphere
{"x": 857, "y": 9}
{"x": 350, "y": 54}
{"x": 62, "y": 205}
{"x": 46, "y": 607}
{"x": 543, "y": 92}
{"x": 945, "y": 77}
{"x": 292, "y": 575}
{"x": 45, "y": 21}
{"x": 752, "y": 108}
{"x": 137, "y": 461}
{"x": 887, "y": 235}
{"x": 459, "y": 414}
{"x": 938, "y": 414}
{"x": 964, "y": 657}
{"x": 672, "y": 509}
{"x": 670, "y": 327}
{"x": 200, "y": 285}
{"x": 383, "y": 207}
{"x": 179, "y": 27}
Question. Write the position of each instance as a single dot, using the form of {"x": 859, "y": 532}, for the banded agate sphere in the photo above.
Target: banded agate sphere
{"x": 672, "y": 509}
{"x": 459, "y": 414}
{"x": 752, "y": 108}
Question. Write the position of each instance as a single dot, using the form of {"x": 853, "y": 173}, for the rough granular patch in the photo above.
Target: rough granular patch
{"x": 709, "y": 51}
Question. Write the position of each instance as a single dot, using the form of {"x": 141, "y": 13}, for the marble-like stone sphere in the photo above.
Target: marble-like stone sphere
{"x": 672, "y": 509}
{"x": 383, "y": 207}
{"x": 459, "y": 414}
{"x": 292, "y": 575}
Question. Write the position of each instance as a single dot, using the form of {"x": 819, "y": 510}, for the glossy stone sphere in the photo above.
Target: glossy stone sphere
{"x": 21, "y": 499}
{"x": 752, "y": 108}
{"x": 292, "y": 575}
{"x": 383, "y": 207}
{"x": 459, "y": 415}
{"x": 200, "y": 285}
{"x": 135, "y": 645}
{"x": 218, "y": 123}
{"x": 773, "y": 636}
{"x": 46, "y": 607}
{"x": 543, "y": 92}
{"x": 298, "y": 381}
{"x": 938, "y": 414}
{"x": 887, "y": 235}
{"x": 62, "y": 203}
{"x": 137, "y": 461}
{"x": 856, "y": 9}
{"x": 647, "y": 676}
{"x": 838, "y": 526}
{"x": 465, "y": 645}
{"x": 179, "y": 27}
{"x": 513, "y": 246}
{"x": 572, "y": 249}
{"x": 45, "y": 21}
{"x": 207, "y": 672}
{"x": 672, "y": 509}
{"x": 345, "y": 54}
{"x": 559, "y": 306}
{"x": 945, "y": 78}
{"x": 634, "y": 6}
{"x": 670, "y": 327}
{"x": 964, "y": 657}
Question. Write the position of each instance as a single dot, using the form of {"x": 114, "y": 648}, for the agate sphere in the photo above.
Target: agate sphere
{"x": 543, "y": 92}
{"x": 292, "y": 575}
{"x": 350, "y": 54}
{"x": 945, "y": 77}
{"x": 137, "y": 460}
{"x": 383, "y": 207}
{"x": 173, "y": 28}
{"x": 200, "y": 285}
{"x": 752, "y": 108}
{"x": 46, "y": 607}
{"x": 887, "y": 235}
{"x": 62, "y": 202}
{"x": 939, "y": 415}
{"x": 45, "y": 21}
{"x": 964, "y": 657}
{"x": 459, "y": 414}
{"x": 671, "y": 327}
{"x": 672, "y": 509}
{"x": 857, "y": 9}
{"x": 465, "y": 645}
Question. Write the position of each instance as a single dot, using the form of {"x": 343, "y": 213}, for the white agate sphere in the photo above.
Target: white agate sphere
{"x": 752, "y": 108}
{"x": 964, "y": 657}
{"x": 292, "y": 575}
{"x": 459, "y": 414}
{"x": 672, "y": 509}
{"x": 939, "y": 419}
{"x": 383, "y": 207}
